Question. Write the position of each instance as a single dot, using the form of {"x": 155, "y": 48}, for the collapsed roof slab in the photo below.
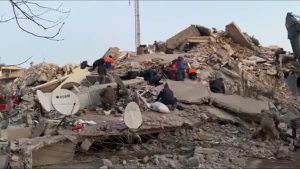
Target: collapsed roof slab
{"x": 182, "y": 36}
{"x": 188, "y": 91}
{"x": 237, "y": 35}
{"x": 240, "y": 106}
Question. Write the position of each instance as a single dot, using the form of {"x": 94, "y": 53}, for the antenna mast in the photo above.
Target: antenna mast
{"x": 137, "y": 24}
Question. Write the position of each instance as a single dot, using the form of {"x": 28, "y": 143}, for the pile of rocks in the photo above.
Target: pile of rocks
{"x": 36, "y": 75}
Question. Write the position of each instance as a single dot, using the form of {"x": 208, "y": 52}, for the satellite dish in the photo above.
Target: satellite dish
{"x": 44, "y": 100}
{"x": 132, "y": 116}
{"x": 65, "y": 101}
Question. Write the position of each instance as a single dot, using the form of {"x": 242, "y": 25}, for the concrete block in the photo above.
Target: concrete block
{"x": 86, "y": 144}
{"x": 237, "y": 35}
{"x": 113, "y": 51}
{"x": 182, "y": 36}
{"x": 15, "y": 165}
{"x": 29, "y": 120}
{"x": 39, "y": 129}
{"x": 57, "y": 153}
{"x": 201, "y": 39}
{"x": 15, "y": 133}
{"x": 4, "y": 161}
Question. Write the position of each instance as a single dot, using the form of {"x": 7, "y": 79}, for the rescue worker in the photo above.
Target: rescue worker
{"x": 155, "y": 47}
{"x": 102, "y": 73}
{"x": 108, "y": 98}
{"x": 180, "y": 69}
{"x": 84, "y": 64}
{"x": 151, "y": 76}
{"x": 166, "y": 96}
{"x": 97, "y": 63}
{"x": 130, "y": 75}
{"x": 109, "y": 61}
{"x": 192, "y": 73}
{"x": 217, "y": 85}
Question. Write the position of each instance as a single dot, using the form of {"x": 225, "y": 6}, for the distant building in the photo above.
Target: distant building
{"x": 8, "y": 73}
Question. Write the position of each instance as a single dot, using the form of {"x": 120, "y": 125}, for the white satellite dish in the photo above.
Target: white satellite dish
{"x": 44, "y": 100}
{"x": 132, "y": 116}
{"x": 65, "y": 101}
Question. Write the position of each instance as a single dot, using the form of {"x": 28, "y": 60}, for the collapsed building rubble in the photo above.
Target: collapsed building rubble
{"x": 209, "y": 131}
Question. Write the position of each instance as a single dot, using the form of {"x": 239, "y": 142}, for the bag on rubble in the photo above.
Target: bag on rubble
{"x": 159, "y": 107}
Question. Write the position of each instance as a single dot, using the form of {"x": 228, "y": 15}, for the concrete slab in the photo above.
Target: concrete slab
{"x": 165, "y": 58}
{"x": 15, "y": 133}
{"x": 113, "y": 51}
{"x": 4, "y": 161}
{"x": 39, "y": 129}
{"x": 74, "y": 79}
{"x": 222, "y": 115}
{"x": 57, "y": 153}
{"x": 188, "y": 91}
{"x": 86, "y": 144}
{"x": 90, "y": 95}
{"x": 201, "y": 39}
{"x": 239, "y": 105}
{"x": 237, "y": 35}
{"x": 182, "y": 36}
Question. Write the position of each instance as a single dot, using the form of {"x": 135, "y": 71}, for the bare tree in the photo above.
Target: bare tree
{"x": 43, "y": 18}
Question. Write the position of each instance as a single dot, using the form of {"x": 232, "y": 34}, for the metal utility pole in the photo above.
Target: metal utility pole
{"x": 137, "y": 24}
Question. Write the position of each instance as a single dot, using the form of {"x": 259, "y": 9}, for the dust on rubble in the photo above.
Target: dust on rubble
{"x": 211, "y": 130}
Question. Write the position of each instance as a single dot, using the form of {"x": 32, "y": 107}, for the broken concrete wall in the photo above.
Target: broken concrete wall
{"x": 181, "y": 37}
{"x": 57, "y": 153}
{"x": 45, "y": 150}
{"x": 237, "y": 35}
{"x": 204, "y": 31}
{"x": 113, "y": 51}
{"x": 201, "y": 39}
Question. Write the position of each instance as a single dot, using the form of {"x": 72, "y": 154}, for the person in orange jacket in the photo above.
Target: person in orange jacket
{"x": 192, "y": 73}
{"x": 109, "y": 61}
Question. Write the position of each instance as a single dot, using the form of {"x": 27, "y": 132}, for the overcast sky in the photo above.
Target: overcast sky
{"x": 94, "y": 26}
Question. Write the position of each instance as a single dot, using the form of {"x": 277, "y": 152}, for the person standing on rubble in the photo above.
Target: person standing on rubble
{"x": 180, "y": 69}
{"x": 109, "y": 61}
{"x": 166, "y": 96}
{"x": 97, "y": 63}
{"x": 102, "y": 73}
{"x": 155, "y": 47}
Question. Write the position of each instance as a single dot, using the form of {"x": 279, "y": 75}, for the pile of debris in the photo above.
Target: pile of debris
{"x": 209, "y": 131}
{"x": 38, "y": 74}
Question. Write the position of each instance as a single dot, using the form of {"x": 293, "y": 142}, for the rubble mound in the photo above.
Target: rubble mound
{"x": 38, "y": 74}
